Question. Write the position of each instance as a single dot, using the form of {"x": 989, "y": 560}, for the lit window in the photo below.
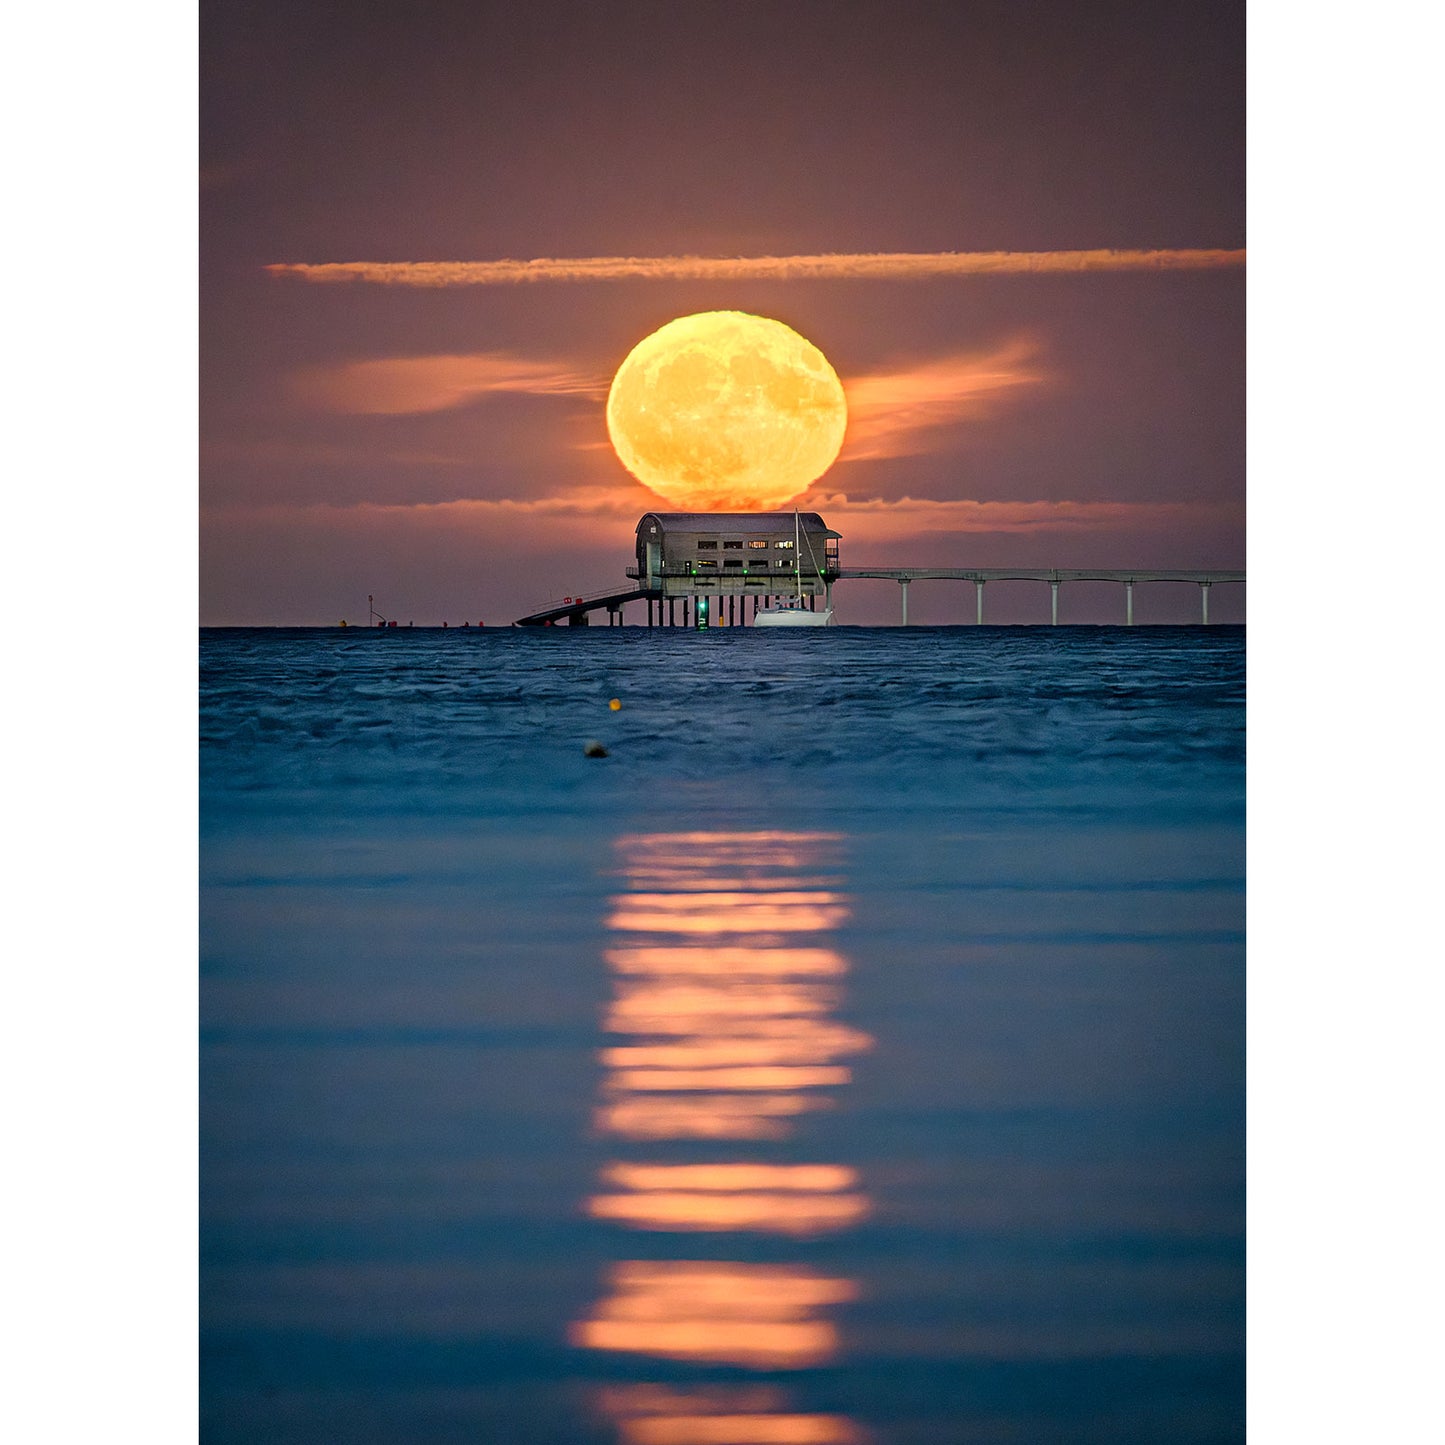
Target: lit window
{"x": 707, "y": 562}
{"x": 783, "y": 562}
{"x": 763, "y": 543}
{"x": 784, "y": 544}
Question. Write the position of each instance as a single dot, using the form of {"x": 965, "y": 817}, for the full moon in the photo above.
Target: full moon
{"x": 725, "y": 411}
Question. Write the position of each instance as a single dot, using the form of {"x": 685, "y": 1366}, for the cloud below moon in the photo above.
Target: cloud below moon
{"x": 576, "y": 515}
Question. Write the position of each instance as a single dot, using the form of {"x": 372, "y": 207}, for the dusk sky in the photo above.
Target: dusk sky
{"x": 436, "y": 436}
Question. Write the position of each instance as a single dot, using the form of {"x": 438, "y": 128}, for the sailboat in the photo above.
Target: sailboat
{"x": 794, "y": 612}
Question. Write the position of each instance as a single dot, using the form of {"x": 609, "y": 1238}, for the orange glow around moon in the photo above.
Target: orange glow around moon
{"x": 724, "y": 411}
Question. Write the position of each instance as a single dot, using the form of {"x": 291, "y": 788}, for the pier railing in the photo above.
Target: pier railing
{"x": 575, "y": 610}
{"x": 1054, "y": 576}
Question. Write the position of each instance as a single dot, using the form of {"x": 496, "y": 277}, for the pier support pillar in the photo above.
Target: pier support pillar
{"x": 978, "y": 588}
{"x": 1128, "y": 604}
{"x": 1054, "y": 603}
{"x": 827, "y": 595}
{"x": 903, "y": 583}
{"x": 1204, "y": 601}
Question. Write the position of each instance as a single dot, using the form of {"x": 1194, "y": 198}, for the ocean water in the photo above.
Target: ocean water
{"x": 854, "y": 1053}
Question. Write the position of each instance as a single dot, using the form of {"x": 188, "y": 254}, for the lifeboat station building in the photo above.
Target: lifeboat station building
{"x": 735, "y": 557}
{"x": 731, "y": 558}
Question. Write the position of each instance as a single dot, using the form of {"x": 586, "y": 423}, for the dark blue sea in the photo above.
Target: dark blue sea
{"x": 854, "y": 1053}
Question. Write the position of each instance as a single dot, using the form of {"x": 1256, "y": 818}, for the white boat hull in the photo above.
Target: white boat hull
{"x": 792, "y": 617}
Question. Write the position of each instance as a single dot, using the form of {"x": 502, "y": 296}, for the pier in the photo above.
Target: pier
{"x": 1054, "y": 576}
{"x": 671, "y": 611}
{"x": 727, "y": 560}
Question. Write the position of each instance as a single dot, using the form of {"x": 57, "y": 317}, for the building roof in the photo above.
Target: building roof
{"x": 734, "y": 521}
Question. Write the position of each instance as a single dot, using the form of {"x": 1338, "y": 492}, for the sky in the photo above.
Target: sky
{"x": 428, "y": 425}
{"x": 1344, "y": 515}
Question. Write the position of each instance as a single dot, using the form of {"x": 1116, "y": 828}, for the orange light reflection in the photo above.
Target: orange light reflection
{"x": 796, "y": 1044}
{"x": 705, "y": 1116}
{"x": 681, "y": 1080}
{"x": 726, "y": 963}
{"x": 726, "y": 1004}
{"x": 723, "y": 914}
{"x": 763, "y": 1316}
{"x": 740, "y": 1430}
{"x": 769, "y": 1213}
{"x": 782, "y": 849}
{"x": 720, "y": 1415}
{"x": 683, "y": 1008}
{"x": 676, "y": 878}
{"x": 722, "y": 1028}
{"x": 808, "y": 1178}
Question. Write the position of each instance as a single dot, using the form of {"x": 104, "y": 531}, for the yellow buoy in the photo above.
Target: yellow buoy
{"x": 615, "y": 704}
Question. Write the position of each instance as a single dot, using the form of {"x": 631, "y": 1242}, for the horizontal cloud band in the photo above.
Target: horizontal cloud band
{"x": 897, "y": 265}
{"x": 592, "y": 512}
{"x": 894, "y": 413}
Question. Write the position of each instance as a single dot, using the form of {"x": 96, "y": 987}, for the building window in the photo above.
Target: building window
{"x": 783, "y": 544}
{"x": 707, "y": 546}
{"x": 733, "y": 562}
{"x": 783, "y": 564}
{"x": 763, "y": 543}
{"x": 732, "y": 546}
{"x": 707, "y": 562}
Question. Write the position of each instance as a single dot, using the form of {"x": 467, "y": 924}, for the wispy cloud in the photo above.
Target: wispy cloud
{"x": 272, "y": 451}
{"x": 577, "y": 514}
{"x": 621, "y": 499}
{"x": 891, "y": 413}
{"x": 886, "y": 265}
{"x": 897, "y": 519}
{"x": 405, "y": 385}
{"x": 900, "y": 412}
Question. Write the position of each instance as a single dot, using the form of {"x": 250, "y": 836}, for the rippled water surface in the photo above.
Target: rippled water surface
{"x": 854, "y": 1053}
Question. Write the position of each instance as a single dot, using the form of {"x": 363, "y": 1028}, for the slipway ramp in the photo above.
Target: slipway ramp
{"x": 574, "y": 610}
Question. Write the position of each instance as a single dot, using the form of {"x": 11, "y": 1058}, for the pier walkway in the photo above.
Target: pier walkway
{"x": 1054, "y": 576}
{"x": 574, "y": 611}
